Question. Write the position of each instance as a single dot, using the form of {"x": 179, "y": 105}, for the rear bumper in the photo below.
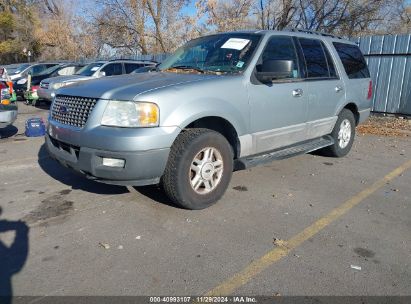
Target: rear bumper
{"x": 364, "y": 114}
{"x": 141, "y": 167}
{"x": 7, "y": 118}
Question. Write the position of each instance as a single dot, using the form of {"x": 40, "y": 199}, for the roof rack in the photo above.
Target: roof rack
{"x": 130, "y": 59}
{"x": 313, "y": 33}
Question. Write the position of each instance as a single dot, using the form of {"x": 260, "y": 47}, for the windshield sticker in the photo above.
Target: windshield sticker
{"x": 235, "y": 44}
{"x": 240, "y": 64}
{"x": 93, "y": 69}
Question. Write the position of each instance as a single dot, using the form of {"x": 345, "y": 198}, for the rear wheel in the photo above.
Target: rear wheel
{"x": 199, "y": 168}
{"x": 343, "y": 135}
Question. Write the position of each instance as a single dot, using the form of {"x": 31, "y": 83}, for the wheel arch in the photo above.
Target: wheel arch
{"x": 354, "y": 109}
{"x": 220, "y": 125}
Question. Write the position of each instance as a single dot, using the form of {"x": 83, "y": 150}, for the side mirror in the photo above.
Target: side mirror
{"x": 274, "y": 69}
{"x": 101, "y": 74}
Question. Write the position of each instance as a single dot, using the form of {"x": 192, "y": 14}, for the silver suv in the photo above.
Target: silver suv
{"x": 97, "y": 69}
{"x": 220, "y": 103}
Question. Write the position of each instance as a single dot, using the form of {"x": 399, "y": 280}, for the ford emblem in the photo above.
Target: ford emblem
{"x": 64, "y": 110}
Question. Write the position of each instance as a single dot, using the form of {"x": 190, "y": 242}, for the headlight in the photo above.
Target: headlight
{"x": 22, "y": 81}
{"x": 59, "y": 85}
{"x": 131, "y": 114}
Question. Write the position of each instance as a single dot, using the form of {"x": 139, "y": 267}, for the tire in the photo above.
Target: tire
{"x": 204, "y": 186}
{"x": 343, "y": 135}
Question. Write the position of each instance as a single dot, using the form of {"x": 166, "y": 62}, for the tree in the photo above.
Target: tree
{"x": 17, "y": 19}
{"x": 225, "y": 15}
{"x": 142, "y": 26}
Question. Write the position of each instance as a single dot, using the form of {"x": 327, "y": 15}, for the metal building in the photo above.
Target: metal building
{"x": 389, "y": 61}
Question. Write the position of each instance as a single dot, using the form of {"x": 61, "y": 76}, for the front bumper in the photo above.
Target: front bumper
{"x": 7, "y": 117}
{"x": 141, "y": 167}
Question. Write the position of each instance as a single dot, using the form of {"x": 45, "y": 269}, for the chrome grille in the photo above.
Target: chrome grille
{"x": 72, "y": 110}
{"x": 44, "y": 85}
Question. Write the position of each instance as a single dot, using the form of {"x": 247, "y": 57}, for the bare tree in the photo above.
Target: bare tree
{"x": 225, "y": 15}
{"x": 142, "y": 25}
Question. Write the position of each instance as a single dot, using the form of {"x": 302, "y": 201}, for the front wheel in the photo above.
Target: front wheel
{"x": 199, "y": 169}
{"x": 343, "y": 135}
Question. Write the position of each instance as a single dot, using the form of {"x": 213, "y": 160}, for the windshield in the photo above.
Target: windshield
{"x": 89, "y": 69}
{"x": 50, "y": 70}
{"x": 21, "y": 68}
{"x": 10, "y": 70}
{"x": 225, "y": 53}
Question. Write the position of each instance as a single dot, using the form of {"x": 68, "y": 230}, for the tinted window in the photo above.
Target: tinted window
{"x": 132, "y": 66}
{"x": 352, "y": 60}
{"x": 113, "y": 69}
{"x": 282, "y": 48}
{"x": 314, "y": 58}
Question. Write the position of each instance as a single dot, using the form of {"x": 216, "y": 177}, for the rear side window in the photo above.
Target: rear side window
{"x": 316, "y": 59}
{"x": 113, "y": 69}
{"x": 282, "y": 48}
{"x": 132, "y": 66}
{"x": 352, "y": 60}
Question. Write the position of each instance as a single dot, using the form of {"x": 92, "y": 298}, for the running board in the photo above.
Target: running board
{"x": 283, "y": 153}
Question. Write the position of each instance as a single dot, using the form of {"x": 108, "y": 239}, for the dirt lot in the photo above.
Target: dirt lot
{"x": 309, "y": 225}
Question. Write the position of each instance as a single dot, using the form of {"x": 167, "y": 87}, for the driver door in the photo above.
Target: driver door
{"x": 278, "y": 109}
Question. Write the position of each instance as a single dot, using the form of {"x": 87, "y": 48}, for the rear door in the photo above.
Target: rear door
{"x": 278, "y": 109}
{"x": 325, "y": 89}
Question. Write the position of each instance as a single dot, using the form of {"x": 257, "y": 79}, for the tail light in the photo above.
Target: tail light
{"x": 2, "y": 87}
{"x": 369, "y": 96}
{"x": 34, "y": 88}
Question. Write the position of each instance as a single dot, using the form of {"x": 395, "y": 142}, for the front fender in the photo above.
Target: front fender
{"x": 186, "y": 113}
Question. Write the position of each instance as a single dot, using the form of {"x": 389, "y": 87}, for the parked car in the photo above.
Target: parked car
{"x": 20, "y": 75}
{"x": 10, "y": 69}
{"x": 223, "y": 102}
{"x": 96, "y": 69}
{"x": 8, "y": 105}
{"x": 34, "y": 94}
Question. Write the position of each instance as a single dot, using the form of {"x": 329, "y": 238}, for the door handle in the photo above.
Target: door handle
{"x": 298, "y": 93}
{"x": 338, "y": 89}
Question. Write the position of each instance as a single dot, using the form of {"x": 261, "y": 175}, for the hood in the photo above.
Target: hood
{"x": 126, "y": 87}
{"x": 66, "y": 78}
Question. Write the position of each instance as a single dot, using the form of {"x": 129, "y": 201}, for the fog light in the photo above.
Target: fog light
{"x": 53, "y": 94}
{"x": 114, "y": 162}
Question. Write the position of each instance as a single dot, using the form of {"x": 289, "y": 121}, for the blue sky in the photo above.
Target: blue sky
{"x": 190, "y": 9}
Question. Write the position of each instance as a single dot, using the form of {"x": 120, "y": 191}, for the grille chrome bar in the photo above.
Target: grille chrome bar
{"x": 72, "y": 110}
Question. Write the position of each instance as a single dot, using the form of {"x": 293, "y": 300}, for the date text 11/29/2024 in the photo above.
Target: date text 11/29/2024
{"x": 203, "y": 299}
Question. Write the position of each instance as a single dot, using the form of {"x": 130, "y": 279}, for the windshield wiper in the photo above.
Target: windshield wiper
{"x": 185, "y": 67}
